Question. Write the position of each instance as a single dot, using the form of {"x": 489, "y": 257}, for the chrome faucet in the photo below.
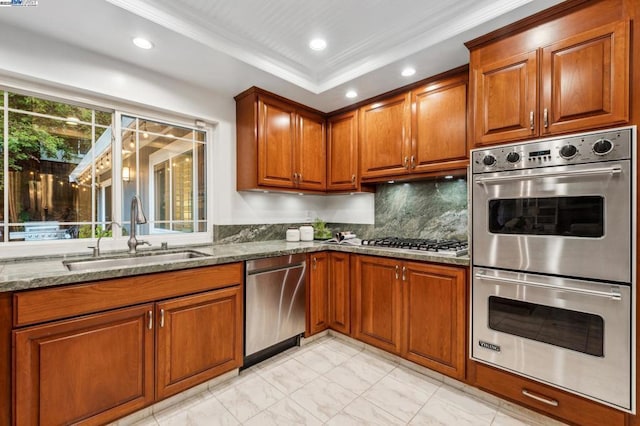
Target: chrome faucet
{"x": 137, "y": 217}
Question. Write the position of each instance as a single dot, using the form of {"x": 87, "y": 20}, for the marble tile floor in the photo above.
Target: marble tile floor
{"x": 338, "y": 381}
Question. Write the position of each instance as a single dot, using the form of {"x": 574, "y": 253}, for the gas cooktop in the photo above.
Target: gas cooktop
{"x": 444, "y": 247}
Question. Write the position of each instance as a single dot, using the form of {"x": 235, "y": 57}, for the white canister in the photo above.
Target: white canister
{"x": 306, "y": 233}
{"x": 293, "y": 234}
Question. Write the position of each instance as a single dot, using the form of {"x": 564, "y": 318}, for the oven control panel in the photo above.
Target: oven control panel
{"x": 606, "y": 145}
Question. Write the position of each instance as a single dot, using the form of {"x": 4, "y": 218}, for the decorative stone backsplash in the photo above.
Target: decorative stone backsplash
{"x": 425, "y": 209}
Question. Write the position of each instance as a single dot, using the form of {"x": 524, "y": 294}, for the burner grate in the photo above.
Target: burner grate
{"x": 447, "y": 247}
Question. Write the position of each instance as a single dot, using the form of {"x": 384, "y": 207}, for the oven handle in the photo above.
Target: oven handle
{"x": 614, "y": 170}
{"x": 613, "y": 294}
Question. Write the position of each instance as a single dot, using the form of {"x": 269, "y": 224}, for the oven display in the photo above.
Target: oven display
{"x": 539, "y": 153}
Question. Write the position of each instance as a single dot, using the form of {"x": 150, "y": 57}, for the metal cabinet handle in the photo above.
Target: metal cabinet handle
{"x": 150, "y": 320}
{"x": 299, "y": 177}
{"x": 546, "y": 118}
{"x": 531, "y": 120}
{"x": 315, "y": 262}
{"x": 295, "y": 178}
{"x": 540, "y": 398}
{"x": 161, "y": 318}
{"x": 413, "y": 162}
{"x": 406, "y": 162}
{"x": 404, "y": 273}
{"x": 397, "y": 272}
{"x": 353, "y": 178}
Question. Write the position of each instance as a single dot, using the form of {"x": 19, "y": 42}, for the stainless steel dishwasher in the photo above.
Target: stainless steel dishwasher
{"x": 274, "y": 305}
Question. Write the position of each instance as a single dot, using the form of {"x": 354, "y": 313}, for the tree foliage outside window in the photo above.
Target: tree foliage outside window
{"x": 46, "y": 142}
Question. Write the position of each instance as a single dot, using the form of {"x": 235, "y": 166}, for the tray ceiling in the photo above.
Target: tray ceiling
{"x": 361, "y": 35}
{"x": 229, "y": 45}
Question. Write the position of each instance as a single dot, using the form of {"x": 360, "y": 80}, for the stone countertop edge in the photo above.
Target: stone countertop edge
{"x": 23, "y": 274}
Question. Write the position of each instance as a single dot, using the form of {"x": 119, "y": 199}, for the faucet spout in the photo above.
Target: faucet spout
{"x": 107, "y": 228}
{"x": 137, "y": 217}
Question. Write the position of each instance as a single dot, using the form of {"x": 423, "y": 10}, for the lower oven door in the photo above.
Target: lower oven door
{"x": 569, "y": 333}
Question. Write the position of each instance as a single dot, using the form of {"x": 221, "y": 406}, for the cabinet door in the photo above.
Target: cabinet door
{"x": 385, "y": 140}
{"x": 377, "y": 302}
{"x": 439, "y": 126}
{"x": 585, "y": 80}
{"x": 199, "y": 337}
{"x": 92, "y": 369}
{"x": 506, "y": 100}
{"x": 311, "y": 152}
{"x": 339, "y": 294}
{"x": 318, "y": 292}
{"x": 342, "y": 152}
{"x": 434, "y": 323}
{"x": 276, "y": 138}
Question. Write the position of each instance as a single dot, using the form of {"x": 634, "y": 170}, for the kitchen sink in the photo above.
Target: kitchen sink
{"x": 140, "y": 259}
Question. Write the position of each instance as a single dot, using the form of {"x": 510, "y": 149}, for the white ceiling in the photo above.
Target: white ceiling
{"x": 229, "y": 45}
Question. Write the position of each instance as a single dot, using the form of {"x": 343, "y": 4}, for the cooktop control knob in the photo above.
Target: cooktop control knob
{"x": 568, "y": 151}
{"x": 489, "y": 160}
{"x": 602, "y": 146}
{"x": 513, "y": 157}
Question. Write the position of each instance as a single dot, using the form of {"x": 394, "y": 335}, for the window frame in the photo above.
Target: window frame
{"x": 117, "y": 242}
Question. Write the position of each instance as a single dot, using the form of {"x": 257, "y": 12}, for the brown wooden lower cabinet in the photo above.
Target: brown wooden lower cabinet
{"x": 317, "y": 293}
{"x": 328, "y": 295}
{"x": 413, "y": 309}
{"x": 434, "y": 310}
{"x": 546, "y": 399}
{"x": 6, "y": 317}
{"x": 198, "y": 338}
{"x": 87, "y": 370}
{"x": 339, "y": 292}
{"x": 377, "y": 302}
{"x": 96, "y": 368}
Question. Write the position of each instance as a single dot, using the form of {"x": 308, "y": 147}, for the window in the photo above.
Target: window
{"x": 57, "y": 164}
{"x": 165, "y": 165}
{"x": 67, "y": 174}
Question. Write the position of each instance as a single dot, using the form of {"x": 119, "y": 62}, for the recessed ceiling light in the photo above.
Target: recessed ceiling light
{"x": 318, "y": 44}
{"x": 408, "y": 72}
{"x": 142, "y": 43}
{"x": 351, "y": 94}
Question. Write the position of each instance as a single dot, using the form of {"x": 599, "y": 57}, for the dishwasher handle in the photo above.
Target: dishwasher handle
{"x": 274, "y": 269}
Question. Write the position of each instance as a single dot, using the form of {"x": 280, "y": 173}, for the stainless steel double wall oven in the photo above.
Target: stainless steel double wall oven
{"x": 553, "y": 243}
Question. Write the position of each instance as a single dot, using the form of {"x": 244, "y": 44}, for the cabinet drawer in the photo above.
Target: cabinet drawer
{"x": 35, "y": 306}
{"x": 565, "y": 406}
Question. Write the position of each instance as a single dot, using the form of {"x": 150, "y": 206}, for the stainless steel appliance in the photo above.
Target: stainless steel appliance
{"x": 41, "y": 231}
{"x": 553, "y": 291}
{"x": 274, "y": 305}
{"x": 444, "y": 247}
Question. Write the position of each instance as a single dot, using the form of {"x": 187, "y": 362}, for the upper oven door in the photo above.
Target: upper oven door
{"x": 565, "y": 220}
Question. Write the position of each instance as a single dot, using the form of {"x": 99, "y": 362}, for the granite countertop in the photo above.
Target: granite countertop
{"x": 38, "y": 272}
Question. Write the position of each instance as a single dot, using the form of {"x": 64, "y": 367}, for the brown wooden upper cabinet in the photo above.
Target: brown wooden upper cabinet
{"x": 342, "y": 152}
{"x": 280, "y": 144}
{"x": 439, "y": 125}
{"x": 385, "y": 137}
{"x": 577, "y": 83}
{"x": 419, "y": 131}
